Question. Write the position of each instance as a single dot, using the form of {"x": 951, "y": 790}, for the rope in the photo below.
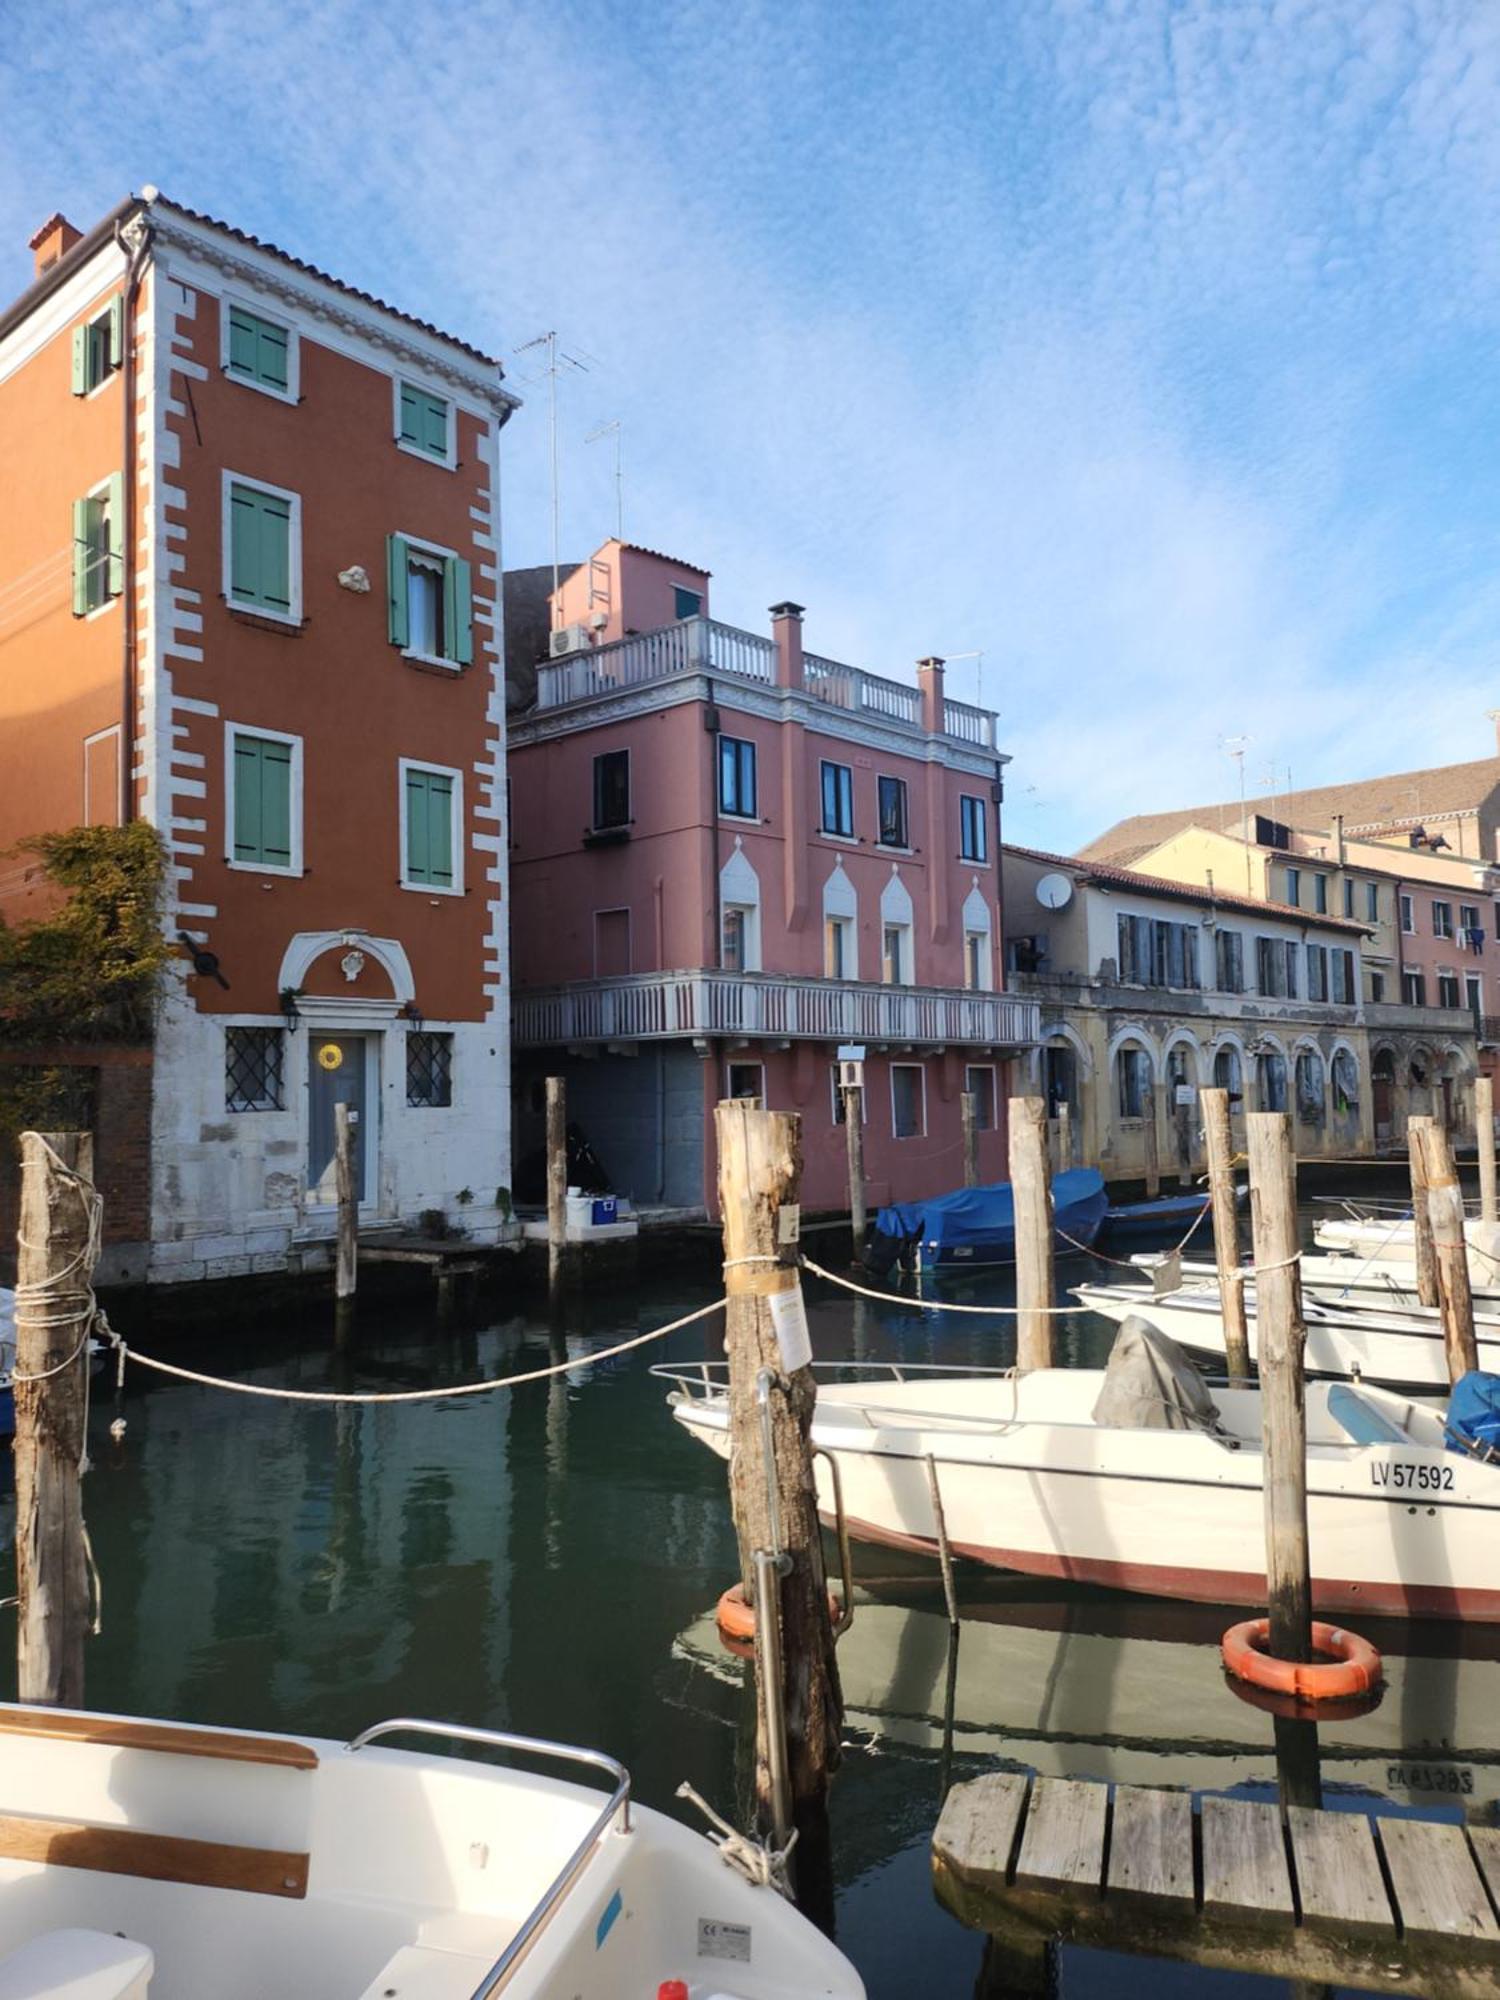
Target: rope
{"x": 928, "y": 1305}
{"x": 407, "y": 1395}
{"x": 1125, "y": 1263}
{"x": 761, "y": 1864}
{"x": 45, "y": 1374}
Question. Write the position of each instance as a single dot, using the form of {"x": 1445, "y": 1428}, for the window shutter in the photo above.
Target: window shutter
{"x": 247, "y": 805}
{"x": 458, "y": 620}
{"x": 242, "y": 342}
{"x": 429, "y": 828}
{"x": 271, "y": 354}
{"x": 435, "y": 426}
{"x": 411, "y": 416}
{"x": 395, "y": 570}
{"x": 276, "y": 803}
{"x": 80, "y": 557}
{"x": 117, "y": 330}
{"x": 244, "y": 545}
{"x": 115, "y": 578}
{"x": 275, "y": 551}
{"x": 80, "y": 360}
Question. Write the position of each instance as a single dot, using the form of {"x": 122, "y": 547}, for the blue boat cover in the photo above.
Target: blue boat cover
{"x": 987, "y": 1216}
{"x": 1473, "y": 1424}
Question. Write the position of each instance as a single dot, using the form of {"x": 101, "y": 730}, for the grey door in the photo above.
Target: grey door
{"x": 336, "y": 1075}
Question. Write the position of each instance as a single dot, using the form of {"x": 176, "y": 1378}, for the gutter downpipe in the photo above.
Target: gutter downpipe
{"x": 135, "y": 265}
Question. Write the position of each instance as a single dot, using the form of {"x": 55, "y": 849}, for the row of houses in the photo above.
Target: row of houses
{"x": 437, "y": 830}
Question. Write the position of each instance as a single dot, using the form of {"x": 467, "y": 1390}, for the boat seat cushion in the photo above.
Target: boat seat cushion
{"x": 1360, "y": 1419}
{"x": 77, "y": 1965}
{"x": 425, "y": 1972}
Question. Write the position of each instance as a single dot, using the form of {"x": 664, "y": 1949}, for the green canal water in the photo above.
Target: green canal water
{"x": 547, "y": 1560}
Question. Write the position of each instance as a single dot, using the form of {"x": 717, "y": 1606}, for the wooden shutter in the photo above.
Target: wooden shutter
{"x": 263, "y": 801}
{"x": 115, "y": 573}
{"x": 429, "y": 828}
{"x": 399, "y": 624}
{"x": 242, "y": 342}
{"x": 458, "y": 622}
{"x": 81, "y": 553}
{"x": 244, "y": 546}
{"x": 435, "y": 426}
{"x": 260, "y": 563}
{"x": 276, "y": 551}
{"x": 80, "y": 360}
{"x": 270, "y": 354}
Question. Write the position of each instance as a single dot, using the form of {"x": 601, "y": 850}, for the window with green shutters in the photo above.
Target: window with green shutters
{"x": 424, "y": 421}
{"x": 98, "y": 347}
{"x": 430, "y": 602}
{"x": 258, "y": 350}
{"x": 262, "y": 807}
{"x": 428, "y": 839}
{"x": 98, "y": 547}
{"x": 261, "y": 567}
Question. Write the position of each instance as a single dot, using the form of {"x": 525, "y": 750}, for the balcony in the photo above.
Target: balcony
{"x": 657, "y": 1006}
{"x": 1421, "y": 1020}
{"x": 703, "y": 646}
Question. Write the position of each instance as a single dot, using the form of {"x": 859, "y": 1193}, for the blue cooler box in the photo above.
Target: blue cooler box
{"x": 606, "y": 1209}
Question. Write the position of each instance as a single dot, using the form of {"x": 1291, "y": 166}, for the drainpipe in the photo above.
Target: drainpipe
{"x": 135, "y": 264}
{"x": 711, "y": 724}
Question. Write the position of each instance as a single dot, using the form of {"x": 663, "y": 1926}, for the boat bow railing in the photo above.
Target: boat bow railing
{"x": 531, "y": 1746}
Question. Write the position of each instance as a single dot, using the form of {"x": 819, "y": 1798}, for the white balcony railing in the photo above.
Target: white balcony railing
{"x": 651, "y": 1006}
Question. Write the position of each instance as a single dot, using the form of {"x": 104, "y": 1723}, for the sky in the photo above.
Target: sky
{"x": 1147, "y": 348}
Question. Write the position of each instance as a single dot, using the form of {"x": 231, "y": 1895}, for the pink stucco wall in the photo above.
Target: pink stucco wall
{"x": 1422, "y": 950}
{"x": 631, "y": 589}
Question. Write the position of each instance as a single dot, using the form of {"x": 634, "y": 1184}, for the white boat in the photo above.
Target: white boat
{"x": 1351, "y": 1279}
{"x": 149, "y": 1858}
{"x": 1030, "y": 1481}
{"x": 1392, "y": 1240}
{"x": 1374, "y": 1342}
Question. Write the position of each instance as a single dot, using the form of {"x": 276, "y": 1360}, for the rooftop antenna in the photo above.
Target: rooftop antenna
{"x": 613, "y": 428}
{"x": 556, "y": 360}
{"x": 1235, "y": 747}
{"x": 977, "y": 656}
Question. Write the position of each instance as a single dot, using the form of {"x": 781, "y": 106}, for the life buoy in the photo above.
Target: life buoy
{"x": 1350, "y": 1665}
{"x": 736, "y": 1618}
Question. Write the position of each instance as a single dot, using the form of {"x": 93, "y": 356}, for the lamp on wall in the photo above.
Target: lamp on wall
{"x": 413, "y": 1013}
{"x": 289, "y": 1013}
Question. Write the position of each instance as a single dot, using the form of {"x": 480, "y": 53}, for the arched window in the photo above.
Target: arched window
{"x": 1270, "y": 1080}
{"x": 739, "y": 913}
{"x": 1344, "y": 1074}
{"x": 1229, "y": 1076}
{"x": 979, "y": 951}
{"x": 1133, "y": 1080}
{"x": 1310, "y": 1106}
{"x": 1060, "y": 1072}
{"x": 840, "y": 926}
{"x": 897, "y": 966}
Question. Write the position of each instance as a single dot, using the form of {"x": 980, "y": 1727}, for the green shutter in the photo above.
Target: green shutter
{"x": 80, "y": 557}
{"x": 263, "y": 801}
{"x": 244, "y": 546}
{"x": 117, "y": 330}
{"x": 242, "y": 342}
{"x": 80, "y": 360}
{"x": 270, "y": 360}
{"x": 257, "y": 348}
{"x": 395, "y": 573}
{"x": 276, "y": 551}
{"x": 429, "y": 829}
{"x": 458, "y": 622}
{"x": 411, "y": 417}
{"x": 260, "y": 549}
{"x": 115, "y": 574}
{"x": 435, "y": 426}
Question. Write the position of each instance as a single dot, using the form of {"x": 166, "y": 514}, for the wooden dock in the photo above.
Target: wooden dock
{"x": 1346, "y": 1898}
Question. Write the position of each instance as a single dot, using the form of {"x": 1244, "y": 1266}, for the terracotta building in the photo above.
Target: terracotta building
{"x": 249, "y": 551}
{"x": 731, "y": 857}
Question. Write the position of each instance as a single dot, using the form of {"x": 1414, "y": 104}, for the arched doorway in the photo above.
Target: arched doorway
{"x": 1383, "y": 1095}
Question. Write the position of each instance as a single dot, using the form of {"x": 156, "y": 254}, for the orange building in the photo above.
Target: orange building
{"x": 249, "y": 563}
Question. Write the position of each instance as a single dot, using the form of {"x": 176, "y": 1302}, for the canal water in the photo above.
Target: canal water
{"x": 547, "y": 1560}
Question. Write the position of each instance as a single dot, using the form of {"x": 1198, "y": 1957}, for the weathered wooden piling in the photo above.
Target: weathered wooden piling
{"x": 1426, "y": 1259}
{"x": 1280, "y": 1339}
{"x": 853, "y": 1095}
{"x": 771, "y": 1387}
{"x": 557, "y": 1180}
{"x": 1064, "y": 1136}
{"x": 1218, "y": 1137}
{"x": 1445, "y": 1214}
{"x": 968, "y": 1108}
{"x": 1031, "y": 1191}
{"x": 57, "y": 1250}
{"x": 346, "y": 1266}
{"x": 1484, "y": 1132}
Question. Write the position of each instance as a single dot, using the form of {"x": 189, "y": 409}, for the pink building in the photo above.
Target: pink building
{"x": 731, "y": 857}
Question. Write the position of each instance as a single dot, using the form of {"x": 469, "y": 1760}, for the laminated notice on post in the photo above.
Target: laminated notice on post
{"x": 789, "y": 1317}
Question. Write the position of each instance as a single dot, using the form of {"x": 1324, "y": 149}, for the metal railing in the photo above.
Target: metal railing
{"x": 534, "y": 1746}
{"x": 654, "y": 1006}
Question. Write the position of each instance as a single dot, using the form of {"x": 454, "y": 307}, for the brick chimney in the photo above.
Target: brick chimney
{"x": 930, "y": 681}
{"x": 52, "y": 241}
{"x": 786, "y": 630}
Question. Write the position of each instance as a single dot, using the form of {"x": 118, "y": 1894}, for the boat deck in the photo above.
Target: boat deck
{"x": 1347, "y": 1898}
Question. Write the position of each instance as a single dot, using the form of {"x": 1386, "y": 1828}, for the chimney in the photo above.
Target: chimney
{"x": 786, "y": 630}
{"x": 53, "y": 241}
{"x": 930, "y": 681}
{"x": 1338, "y": 838}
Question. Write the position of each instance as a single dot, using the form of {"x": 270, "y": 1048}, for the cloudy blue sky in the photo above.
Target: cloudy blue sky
{"x": 1148, "y": 347}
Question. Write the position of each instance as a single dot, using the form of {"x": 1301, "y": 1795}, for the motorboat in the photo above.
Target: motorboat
{"x": 154, "y": 1859}
{"x": 1347, "y": 1280}
{"x": 1181, "y": 1215}
{"x": 1399, "y": 1347}
{"x": 1389, "y": 1239}
{"x": 1030, "y": 1478}
{"x": 977, "y": 1226}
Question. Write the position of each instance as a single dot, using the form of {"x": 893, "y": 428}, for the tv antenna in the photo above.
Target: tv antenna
{"x": 613, "y": 428}
{"x": 557, "y": 359}
{"x": 1235, "y": 747}
{"x": 977, "y": 656}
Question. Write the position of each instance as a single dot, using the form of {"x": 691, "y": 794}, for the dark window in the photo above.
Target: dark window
{"x": 1294, "y": 886}
{"x": 748, "y": 1080}
{"x": 1372, "y": 901}
{"x": 971, "y": 827}
{"x": 908, "y": 1100}
{"x": 1271, "y": 1075}
{"x": 1134, "y": 1066}
{"x": 1377, "y": 987}
{"x": 429, "y": 1070}
{"x": 1310, "y": 1104}
{"x": 1442, "y": 920}
{"x": 1345, "y": 1077}
{"x": 893, "y": 812}
{"x": 1229, "y": 962}
{"x": 979, "y": 1081}
{"x": 1414, "y": 989}
{"x": 252, "y": 1069}
{"x": 1408, "y": 920}
{"x": 1276, "y": 968}
{"x": 612, "y": 789}
{"x": 1348, "y": 897}
{"x": 737, "y": 776}
{"x": 1317, "y": 972}
{"x": 1320, "y": 894}
{"x": 1447, "y": 990}
{"x": 1156, "y": 953}
{"x": 687, "y": 603}
{"x": 1343, "y": 991}
{"x": 838, "y": 799}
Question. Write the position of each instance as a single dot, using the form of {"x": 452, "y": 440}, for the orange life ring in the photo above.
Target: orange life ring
{"x": 736, "y": 1618}
{"x": 1350, "y": 1665}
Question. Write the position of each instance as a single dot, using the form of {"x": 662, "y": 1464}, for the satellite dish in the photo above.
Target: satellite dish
{"x": 1054, "y": 892}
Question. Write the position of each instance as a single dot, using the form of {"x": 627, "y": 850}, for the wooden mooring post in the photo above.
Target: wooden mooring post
{"x": 1219, "y": 1140}
{"x": 853, "y": 1095}
{"x": 57, "y": 1249}
{"x": 346, "y": 1265}
{"x": 557, "y": 1181}
{"x": 1450, "y": 1251}
{"x": 1031, "y": 1190}
{"x": 1064, "y": 1136}
{"x": 1484, "y": 1135}
{"x": 1151, "y": 1161}
{"x": 1426, "y": 1260}
{"x": 1280, "y": 1339}
{"x": 772, "y": 1488}
{"x": 968, "y": 1107}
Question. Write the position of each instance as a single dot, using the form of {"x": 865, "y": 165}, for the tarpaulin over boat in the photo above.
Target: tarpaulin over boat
{"x": 981, "y": 1221}
{"x": 1151, "y": 1385}
{"x": 1473, "y": 1423}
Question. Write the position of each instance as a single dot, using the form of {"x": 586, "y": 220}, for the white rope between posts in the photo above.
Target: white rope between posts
{"x": 929, "y": 1305}
{"x": 1127, "y": 1263}
{"x": 407, "y": 1395}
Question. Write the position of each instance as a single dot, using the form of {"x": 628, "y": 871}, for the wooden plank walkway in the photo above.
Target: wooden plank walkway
{"x": 1350, "y": 1898}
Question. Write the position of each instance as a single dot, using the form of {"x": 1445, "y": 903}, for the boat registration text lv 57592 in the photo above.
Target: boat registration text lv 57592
{"x": 1403, "y": 1476}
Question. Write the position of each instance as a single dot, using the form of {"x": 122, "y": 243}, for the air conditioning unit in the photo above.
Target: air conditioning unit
{"x": 568, "y": 639}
